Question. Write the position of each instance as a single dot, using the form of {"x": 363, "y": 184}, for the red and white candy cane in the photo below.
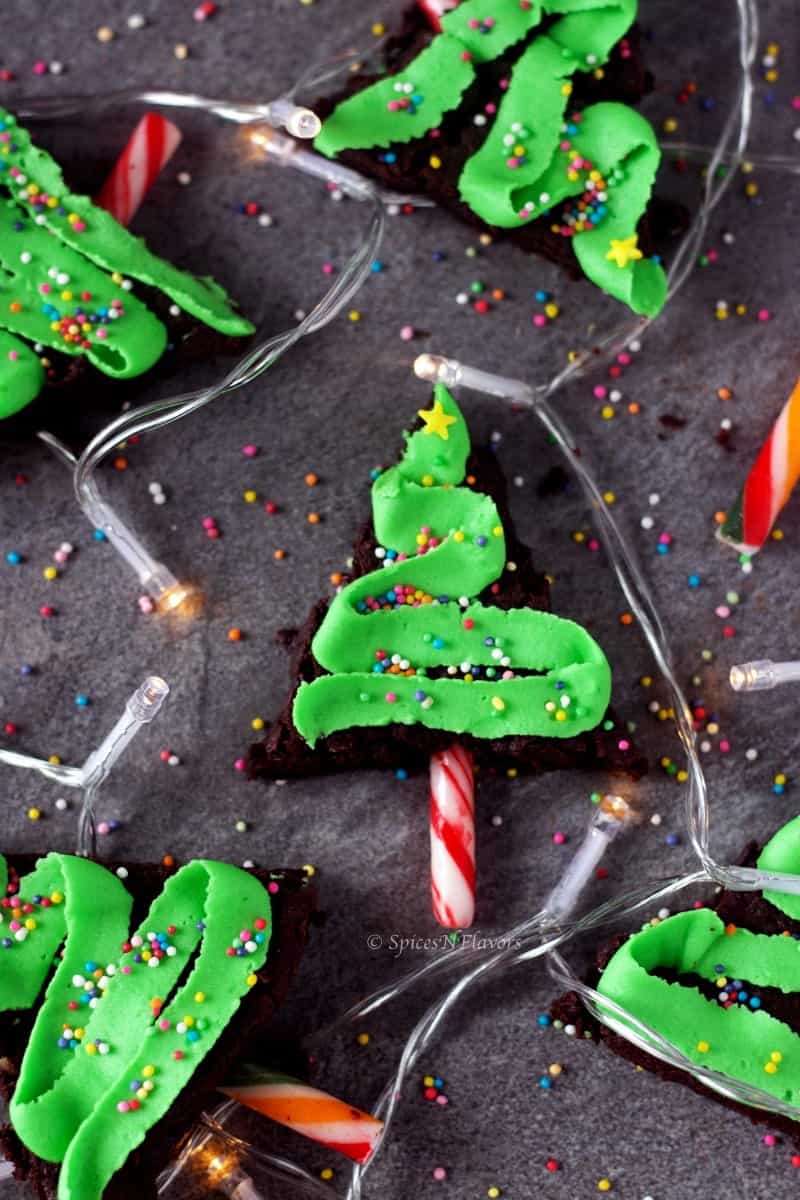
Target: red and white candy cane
{"x": 453, "y": 838}
{"x": 149, "y": 149}
{"x": 435, "y": 9}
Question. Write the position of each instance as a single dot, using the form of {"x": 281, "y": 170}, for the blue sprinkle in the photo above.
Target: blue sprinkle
{"x": 544, "y": 1082}
{"x": 543, "y": 1020}
{"x": 376, "y": 266}
{"x": 13, "y": 558}
{"x": 438, "y": 644}
{"x": 401, "y": 773}
{"x": 693, "y": 581}
{"x": 754, "y": 1002}
{"x": 99, "y": 536}
{"x": 82, "y": 700}
{"x": 672, "y": 839}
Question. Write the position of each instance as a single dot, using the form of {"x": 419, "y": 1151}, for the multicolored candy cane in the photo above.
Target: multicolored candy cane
{"x": 149, "y": 149}
{"x": 307, "y": 1110}
{"x": 769, "y": 484}
{"x": 453, "y": 838}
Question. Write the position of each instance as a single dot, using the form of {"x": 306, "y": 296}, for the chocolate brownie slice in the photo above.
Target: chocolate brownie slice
{"x": 293, "y": 910}
{"x": 284, "y": 753}
{"x": 744, "y": 911}
{"x": 405, "y": 167}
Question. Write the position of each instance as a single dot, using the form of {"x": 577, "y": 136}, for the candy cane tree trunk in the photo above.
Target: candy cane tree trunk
{"x": 453, "y": 837}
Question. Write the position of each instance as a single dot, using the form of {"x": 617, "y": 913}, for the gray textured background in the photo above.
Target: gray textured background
{"x": 336, "y": 407}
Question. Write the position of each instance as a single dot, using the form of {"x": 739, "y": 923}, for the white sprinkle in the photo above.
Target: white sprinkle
{"x": 61, "y": 804}
{"x": 136, "y": 21}
{"x": 647, "y": 522}
{"x": 265, "y": 220}
{"x": 56, "y": 67}
{"x": 655, "y": 819}
{"x": 654, "y": 499}
{"x": 751, "y": 754}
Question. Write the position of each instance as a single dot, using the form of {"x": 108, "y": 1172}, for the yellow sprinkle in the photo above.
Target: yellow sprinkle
{"x": 561, "y": 715}
{"x": 458, "y": 536}
{"x": 257, "y": 723}
{"x": 378, "y": 29}
{"x": 427, "y": 1080}
{"x": 50, "y": 573}
{"x": 776, "y": 1056}
{"x": 566, "y": 89}
{"x": 354, "y": 315}
{"x": 34, "y": 814}
{"x": 141, "y": 1094}
{"x": 607, "y": 412}
{"x": 427, "y": 481}
{"x": 780, "y": 779}
{"x": 90, "y": 1048}
{"x": 493, "y": 1193}
{"x": 30, "y": 923}
{"x": 66, "y": 295}
{"x": 599, "y": 73}
{"x": 79, "y": 1033}
{"x": 604, "y": 1185}
{"x": 646, "y": 680}
{"x": 199, "y": 997}
{"x": 497, "y": 531}
{"x": 250, "y": 496}
{"x": 251, "y": 980}
{"x": 309, "y": 869}
{"x": 669, "y": 125}
{"x": 551, "y": 310}
{"x": 188, "y": 1021}
{"x": 148, "y": 1071}
{"x": 56, "y": 898}
{"x": 512, "y": 773}
{"x": 326, "y": 1173}
{"x": 771, "y": 1068}
{"x": 435, "y": 161}
{"x": 498, "y": 704}
{"x": 105, "y": 34}
{"x": 771, "y": 76}
{"x": 555, "y": 1069}
{"x": 703, "y": 1047}
{"x": 363, "y": 1039}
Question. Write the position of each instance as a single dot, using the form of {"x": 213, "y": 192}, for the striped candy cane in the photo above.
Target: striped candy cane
{"x": 453, "y": 838}
{"x": 435, "y": 9}
{"x": 149, "y": 149}
{"x": 307, "y": 1110}
{"x": 770, "y": 483}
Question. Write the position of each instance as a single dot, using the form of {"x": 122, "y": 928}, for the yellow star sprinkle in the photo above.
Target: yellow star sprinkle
{"x": 624, "y": 251}
{"x": 436, "y": 420}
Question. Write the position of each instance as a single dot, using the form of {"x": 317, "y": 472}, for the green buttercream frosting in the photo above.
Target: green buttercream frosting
{"x": 105, "y": 1059}
{"x": 444, "y": 544}
{"x": 67, "y": 270}
{"x": 537, "y": 153}
{"x": 739, "y": 1041}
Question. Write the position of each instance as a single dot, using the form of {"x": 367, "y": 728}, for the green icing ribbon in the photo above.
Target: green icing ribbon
{"x": 114, "y": 1040}
{"x": 56, "y": 251}
{"x": 742, "y": 1042}
{"x": 449, "y": 545}
{"x": 534, "y": 156}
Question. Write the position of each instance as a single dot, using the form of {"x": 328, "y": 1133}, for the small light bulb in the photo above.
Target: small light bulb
{"x": 180, "y": 600}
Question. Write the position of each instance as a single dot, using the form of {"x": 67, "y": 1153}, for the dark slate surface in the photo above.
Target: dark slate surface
{"x": 335, "y": 406}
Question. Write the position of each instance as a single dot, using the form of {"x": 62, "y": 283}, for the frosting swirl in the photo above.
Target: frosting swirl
{"x": 397, "y": 640}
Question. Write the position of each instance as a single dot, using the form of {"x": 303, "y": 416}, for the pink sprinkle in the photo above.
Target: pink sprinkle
{"x": 624, "y": 358}
{"x": 539, "y": 320}
{"x": 665, "y": 539}
{"x": 393, "y": 106}
{"x": 439, "y": 1173}
{"x": 212, "y": 533}
{"x": 40, "y": 68}
{"x": 724, "y": 746}
{"x": 104, "y": 827}
{"x": 209, "y": 523}
{"x": 722, "y": 610}
{"x": 13, "y": 355}
{"x": 145, "y": 604}
{"x": 126, "y": 970}
{"x": 60, "y": 556}
{"x": 599, "y": 392}
{"x": 240, "y": 764}
{"x": 163, "y": 1025}
{"x": 491, "y": 109}
{"x": 273, "y": 887}
{"x": 250, "y": 451}
{"x": 390, "y": 697}
{"x": 764, "y": 314}
{"x": 513, "y": 163}
{"x": 101, "y": 334}
{"x": 45, "y": 288}
{"x": 406, "y": 333}
{"x": 441, "y": 1099}
{"x": 559, "y": 838}
{"x": 593, "y": 545}
{"x": 712, "y": 256}
{"x": 123, "y": 1106}
{"x": 79, "y": 226}
{"x": 328, "y": 268}
{"x": 795, "y": 102}
{"x": 770, "y": 1139}
{"x": 623, "y": 744}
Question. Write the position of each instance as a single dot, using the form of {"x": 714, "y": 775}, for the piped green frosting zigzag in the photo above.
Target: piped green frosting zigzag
{"x": 66, "y": 270}
{"x": 740, "y": 1040}
{"x": 411, "y": 610}
{"x": 536, "y": 155}
{"x": 105, "y": 1060}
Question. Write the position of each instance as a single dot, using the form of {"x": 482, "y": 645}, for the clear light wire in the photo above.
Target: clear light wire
{"x": 153, "y": 575}
{"x": 534, "y": 937}
{"x": 140, "y": 709}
